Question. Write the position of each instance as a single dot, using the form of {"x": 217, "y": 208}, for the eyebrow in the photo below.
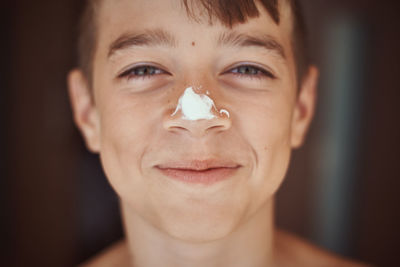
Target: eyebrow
{"x": 239, "y": 39}
{"x": 161, "y": 37}
{"x": 147, "y": 38}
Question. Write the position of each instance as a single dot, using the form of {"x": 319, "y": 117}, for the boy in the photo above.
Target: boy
{"x": 194, "y": 108}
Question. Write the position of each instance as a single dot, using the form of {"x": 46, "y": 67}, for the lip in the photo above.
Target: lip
{"x": 205, "y": 172}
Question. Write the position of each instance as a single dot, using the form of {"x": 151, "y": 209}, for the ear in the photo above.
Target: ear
{"x": 85, "y": 113}
{"x": 304, "y": 107}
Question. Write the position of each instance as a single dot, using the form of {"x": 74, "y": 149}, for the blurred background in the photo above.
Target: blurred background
{"x": 342, "y": 190}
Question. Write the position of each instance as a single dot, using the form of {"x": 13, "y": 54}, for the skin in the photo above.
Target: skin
{"x": 127, "y": 120}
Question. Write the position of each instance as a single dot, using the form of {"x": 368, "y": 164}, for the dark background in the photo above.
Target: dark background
{"x": 342, "y": 190}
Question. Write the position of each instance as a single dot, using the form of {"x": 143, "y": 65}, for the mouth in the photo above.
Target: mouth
{"x": 205, "y": 172}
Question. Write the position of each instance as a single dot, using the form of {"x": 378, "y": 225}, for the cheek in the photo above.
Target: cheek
{"x": 269, "y": 135}
{"x": 267, "y": 123}
{"x": 125, "y": 132}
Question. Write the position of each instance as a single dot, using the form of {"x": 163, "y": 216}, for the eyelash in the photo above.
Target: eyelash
{"x": 133, "y": 73}
{"x": 259, "y": 72}
{"x": 146, "y": 71}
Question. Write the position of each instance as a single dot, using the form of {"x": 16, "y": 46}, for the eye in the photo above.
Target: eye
{"x": 251, "y": 72}
{"x": 144, "y": 71}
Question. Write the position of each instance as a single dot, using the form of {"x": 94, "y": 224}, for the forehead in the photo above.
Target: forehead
{"x": 119, "y": 15}
{"x": 116, "y": 18}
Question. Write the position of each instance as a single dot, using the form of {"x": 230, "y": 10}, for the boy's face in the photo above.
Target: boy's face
{"x": 130, "y": 124}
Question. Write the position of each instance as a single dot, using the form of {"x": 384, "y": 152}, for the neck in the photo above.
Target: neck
{"x": 251, "y": 244}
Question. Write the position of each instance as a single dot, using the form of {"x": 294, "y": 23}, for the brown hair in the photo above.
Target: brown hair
{"x": 228, "y": 12}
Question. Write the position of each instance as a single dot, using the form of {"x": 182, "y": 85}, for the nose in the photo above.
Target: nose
{"x": 197, "y": 115}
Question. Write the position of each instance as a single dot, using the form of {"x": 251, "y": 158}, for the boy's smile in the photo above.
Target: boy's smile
{"x": 223, "y": 169}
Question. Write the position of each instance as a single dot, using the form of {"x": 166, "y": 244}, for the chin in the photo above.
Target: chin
{"x": 199, "y": 232}
{"x": 200, "y": 225}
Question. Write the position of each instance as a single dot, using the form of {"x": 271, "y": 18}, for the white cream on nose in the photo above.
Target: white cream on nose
{"x": 197, "y": 106}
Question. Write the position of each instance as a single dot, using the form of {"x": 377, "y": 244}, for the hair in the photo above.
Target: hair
{"x": 228, "y": 12}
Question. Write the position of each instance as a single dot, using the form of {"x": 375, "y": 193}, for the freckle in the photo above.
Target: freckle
{"x": 193, "y": 43}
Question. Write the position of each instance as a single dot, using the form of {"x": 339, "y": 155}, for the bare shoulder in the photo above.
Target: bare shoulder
{"x": 115, "y": 255}
{"x": 293, "y": 251}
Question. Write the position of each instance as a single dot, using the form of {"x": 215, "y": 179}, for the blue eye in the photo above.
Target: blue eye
{"x": 143, "y": 71}
{"x": 251, "y": 71}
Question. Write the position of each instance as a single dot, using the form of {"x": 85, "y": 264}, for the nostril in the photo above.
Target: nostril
{"x": 174, "y": 124}
{"x": 177, "y": 128}
{"x": 216, "y": 128}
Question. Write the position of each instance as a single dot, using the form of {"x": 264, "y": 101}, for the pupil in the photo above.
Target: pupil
{"x": 145, "y": 71}
{"x": 248, "y": 70}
